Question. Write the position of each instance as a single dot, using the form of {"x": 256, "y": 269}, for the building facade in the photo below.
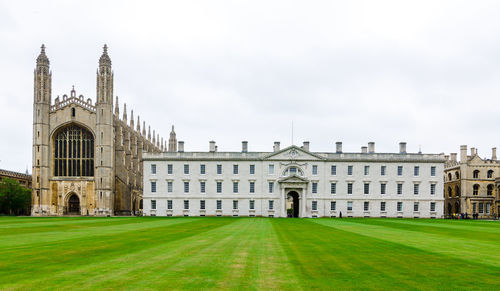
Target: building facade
{"x": 23, "y": 179}
{"x": 86, "y": 159}
{"x": 470, "y": 185}
{"x": 293, "y": 182}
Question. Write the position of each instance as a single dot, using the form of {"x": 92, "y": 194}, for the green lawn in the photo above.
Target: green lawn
{"x": 248, "y": 253}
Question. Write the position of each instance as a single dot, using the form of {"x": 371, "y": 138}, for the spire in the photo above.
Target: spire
{"x": 43, "y": 78}
{"x": 172, "y": 142}
{"x": 125, "y": 112}
{"x": 144, "y": 128}
{"x": 117, "y": 108}
{"x": 105, "y": 79}
{"x": 138, "y": 124}
{"x": 161, "y": 144}
{"x": 105, "y": 60}
{"x": 42, "y": 59}
{"x": 132, "y": 119}
{"x": 158, "y": 140}
{"x": 154, "y": 137}
{"x": 149, "y": 132}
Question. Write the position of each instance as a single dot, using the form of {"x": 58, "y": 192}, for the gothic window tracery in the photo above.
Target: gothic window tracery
{"x": 73, "y": 152}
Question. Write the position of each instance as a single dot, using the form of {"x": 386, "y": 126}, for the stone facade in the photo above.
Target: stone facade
{"x": 86, "y": 159}
{"x": 471, "y": 185}
{"x": 23, "y": 179}
{"x": 293, "y": 182}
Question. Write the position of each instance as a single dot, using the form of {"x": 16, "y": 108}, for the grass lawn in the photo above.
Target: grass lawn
{"x": 247, "y": 253}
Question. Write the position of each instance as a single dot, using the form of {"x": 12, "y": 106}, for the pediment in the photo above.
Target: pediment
{"x": 294, "y": 153}
{"x": 476, "y": 160}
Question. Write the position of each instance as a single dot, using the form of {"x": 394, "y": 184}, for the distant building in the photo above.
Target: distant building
{"x": 23, "y": 179}
{"x": 293, "y": 182}
{"x": 470, "y": 184}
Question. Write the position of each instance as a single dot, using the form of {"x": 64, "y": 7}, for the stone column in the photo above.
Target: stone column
{"x": 303, "y": 206}
{"x": 283, "y": 203}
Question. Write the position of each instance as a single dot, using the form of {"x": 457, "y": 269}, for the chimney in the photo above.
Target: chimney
{"x": 276, "y": 146}
{"x": 212, "y": 146}
{"x": 446, "y": 157}
{"x": 338, "y": 147}
{"x": 306, "y": 146}
{"x": 494, "y": 154}
{"x": 244, "y": 146}
{"x": 402, "y": 148}
{"x": 364, "y": 150}
{"x": 472, "y": 151}
{"x": 453, "y": 157}
{"x": 371, "y": 147}
{"x": 463, "y": 153}
{"x": 181, "y": 147}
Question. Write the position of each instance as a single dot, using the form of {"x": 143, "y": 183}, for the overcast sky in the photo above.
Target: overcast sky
{"x": 424, "y": 72}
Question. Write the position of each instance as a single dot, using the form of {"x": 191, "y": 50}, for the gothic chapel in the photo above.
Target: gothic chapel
{"x": 86, "y": 159}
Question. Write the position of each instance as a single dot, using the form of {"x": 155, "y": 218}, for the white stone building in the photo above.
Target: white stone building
{"x": 293, "y": 182}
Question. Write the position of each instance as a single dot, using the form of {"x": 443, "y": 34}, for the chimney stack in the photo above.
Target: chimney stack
{"x": 181, "y": 147}
{"x": 454, "y": 157}
{"x": 306, "y": 146}
{"x": 212, "y": 146}
{"x": 402, "y": 148}
{"x": 364, "y": 150}
{"x": 463, "y": 153}
{"x": 472, "y": 151}
{"x": 244, "y": 146}
{"x": 276, "y": 146}
{"x": 371, "y": 147}
{"x": 446, "y": 157}
{"x": 338, "y": 147}
{"x": 494, "y": 154}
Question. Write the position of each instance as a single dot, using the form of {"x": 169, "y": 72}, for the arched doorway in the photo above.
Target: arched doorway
{"x": 74, "y": 205}
{"x": 293, "y": 204}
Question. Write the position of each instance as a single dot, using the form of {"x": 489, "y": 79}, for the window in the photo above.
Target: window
{"x": 490, "y": 174}
{"x": 433, "y": 206}
{"x": 271, "y": 187}
{"x": 169, "y": 204}
{"x": 252, "y": 204}
{"x": 271, "y": 169}
{"x": 315, "y": 205}
{"x": 153, "y": 169}
{"x": 382, "y": 170}
{"x": 219, "y": 204}
{"x": 186, "y": 169}
{"x": 449, "y": 176}
{"x": 271, "y": 204}
{"x": 400, "y": 170}
{"x": 415, "y": 206}
{"x": 457, "y": 175}
{"x": 416, "y": 171}
{"x": 400, "y": 189}
{"x": 235, "y": 204}
{"x": 487, "y": 208}
{"x": 416, "y": 188}
{"x": 366, "y": 206}
{"x": 252, "y": 187}
{"x": 202, "y": 187}
{"x": 433, "y": 189}
{"x": 489, "y": 190}
{"x": 333, "y": 170}
{"x": 235, "y": 187}
{"x": 333, "y": 188}
{"x": 293, "y": 171}
{"x": 382, "y": 206}
{"x": 186, "y": 187}
{"x": 315, "y": 170}
{"x": 314, "y": 187}
{"x": 349, "y": 188}
{"x": 219, "y": 187}
{"x": 433, "y": 171}
{"x": 383, "y": 187}
{"x": 202, "y": 169}
{"x": 367, "y": 188}
{"x": 153, "y": 186}
{"x": 349, "y": 170}
{"x": 474, "y": 207}
{"x": 202, "y": 204}
{"x": 153, "y": 204}
{"x": 475, "y": 174}
{"x": 349, "y": 205}
{"x": 219, "y": 169}
{"x": 186, "y": 204}
{"x": 252, "y": 169}
{"x": 367, "y": 170}
{"x": 333, "y": 205}
{"x": 169, "y": 186}
{"x": 170, "y": 169}
{"x": 73, "y": 152}
{"x": 235, "y": 169}
{"x": 400, "y": 206}
{"x": 73, "y": 112}
{"x": 475, "y": 190}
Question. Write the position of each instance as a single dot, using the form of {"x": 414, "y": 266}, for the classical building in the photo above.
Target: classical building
{"x": 293, "y": 182}
{"x": 23, "y": 179}
{"x": 470, "y": 183}
{"x": 86, "y": 159}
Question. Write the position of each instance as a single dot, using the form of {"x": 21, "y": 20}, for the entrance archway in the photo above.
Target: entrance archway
{"x": 74, "y": 205}
{"x": 292, "y": 204}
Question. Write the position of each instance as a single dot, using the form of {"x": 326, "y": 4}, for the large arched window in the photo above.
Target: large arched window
{"x": 73, "y": 152}
{"x": 475, "y": 190}
{"x": 489, "y": 190}
{"x": 457, "y": 191}
{"x": 449, "y": 176}
{"x": 293, "y": 171}
{"x": 457, "y": 175}
{"x": 490, "y": 174}
{"x": 450, "y": 194}
{"x": 475, "y": 174}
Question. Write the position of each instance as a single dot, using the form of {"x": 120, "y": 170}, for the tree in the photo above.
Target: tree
{"x": 14, "y": 198}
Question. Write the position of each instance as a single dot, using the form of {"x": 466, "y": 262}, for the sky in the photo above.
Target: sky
{"x": 423, "y": 72}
